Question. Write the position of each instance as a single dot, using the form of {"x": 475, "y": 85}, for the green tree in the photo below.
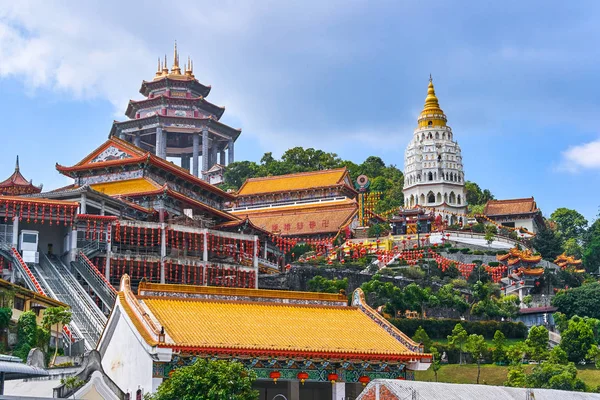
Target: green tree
{"x": 549, "y": 375}
{"x": 558, "y": 356}
{"x": 380, "y": 293}
{"x": 499, "y": 347}
{"x": 548, "y": 243}
{"x": 26, "y": 334}
{"x": 321, "y": 284}
{"x": 583, "y": 300}
{"x": 436, "y": 363}
{"x": 237, "y": 172}
{"x": 537, "y": 343}
{"x": 56, "y": 317}
{"x": 458, "y": 339}
{"x": 5, "y": 316}
{"x": 209, "y": 380}
{"x": 572, "y": 248}
{"x": 476, "y": 346}
{"x": 570, "y": 224}
{"x": 591, "y": 249}
{"x": 577, "y": 339}
{"x": 516, "y": 376}
{"x": 421, "y": 336}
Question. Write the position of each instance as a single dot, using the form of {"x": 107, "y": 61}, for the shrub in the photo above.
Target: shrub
{"x": 493, "y": 263}
{"x": 478, "y": 253}
{"x": 490, "y": 253}
{"x": 26, "y": 334}
{"x": 413, "y": 273}
{"x": 465, "y": 251}
{"x": 441, "y": 328}
{"x": 453, "y": 250}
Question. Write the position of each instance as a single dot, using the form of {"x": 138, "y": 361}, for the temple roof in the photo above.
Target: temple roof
{"x": 298, "y": 181}
{"x": 116, "y": 152}
{"x": 125, "y": 188}
{"x": 256, "y": 322}
{"x": 135, "y": 105}
{"x": 308, "y": 219}
{"x": 510, "y": 207}
{"x": 431, "y": 110}
{"x": 17, "y": 184}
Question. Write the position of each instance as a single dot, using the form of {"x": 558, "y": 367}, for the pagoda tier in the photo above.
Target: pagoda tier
{"x": 16, "y": 184}
{"x": 175, "y": 120}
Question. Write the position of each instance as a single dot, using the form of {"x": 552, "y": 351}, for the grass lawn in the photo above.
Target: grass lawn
{"x": 493, "y": 374}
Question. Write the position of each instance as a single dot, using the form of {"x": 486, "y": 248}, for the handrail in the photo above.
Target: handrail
{"x": 25, "y": 268}
{"x": 86, "y": 261}
{"x": 35, "y": 282}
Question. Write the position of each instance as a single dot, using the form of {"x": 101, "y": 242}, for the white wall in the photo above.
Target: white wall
{"x": 126, "y": 360}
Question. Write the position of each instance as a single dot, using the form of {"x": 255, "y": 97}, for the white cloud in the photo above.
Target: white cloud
{"x": 584, "y": 156}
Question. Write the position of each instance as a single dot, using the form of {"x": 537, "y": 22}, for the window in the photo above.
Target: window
{"x": 19, "y": 303}
{"x": 429, "y": 123}
{"x": 431, "y": 198}
{"x": 29, "y": 238}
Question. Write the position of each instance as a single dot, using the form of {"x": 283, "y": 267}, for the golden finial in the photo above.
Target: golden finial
{"x": 159, "y": 69}
{"x": 430, "y": 78}
{"x": 165, "y": 69}
{"x": 188, "y": 68}
{"x": 175, "y": 70}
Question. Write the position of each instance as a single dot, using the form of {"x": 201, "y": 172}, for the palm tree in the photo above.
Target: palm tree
{"x": 56, "y": 316}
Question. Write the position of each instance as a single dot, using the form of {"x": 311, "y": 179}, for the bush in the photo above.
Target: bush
{"x": 413, "y": 273}
{"x": 26, "y": 334}
{"x": 465, "y": 251}
{"x": 441, "y": 328}
{"x": 478, "y": 253}
{"x": 490, "y": 253}
{"x": 453, "y": 250}
{"x": 493, "y": 263}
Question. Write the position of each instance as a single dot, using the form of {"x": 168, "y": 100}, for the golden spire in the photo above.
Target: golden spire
{"x": 432, "y": 114}
{"x": 175, "y": 70}
{"x": 158, "y": 70}
{"x": 189, "y": 70}
{"x": 165, "y": 69}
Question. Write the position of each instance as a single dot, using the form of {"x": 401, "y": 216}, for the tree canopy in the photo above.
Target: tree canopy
{"x": 208, "y": 380}
{"x": 583, "y": 300}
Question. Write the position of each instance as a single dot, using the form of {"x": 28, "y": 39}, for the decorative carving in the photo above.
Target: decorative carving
{"x": 111, "y": 153}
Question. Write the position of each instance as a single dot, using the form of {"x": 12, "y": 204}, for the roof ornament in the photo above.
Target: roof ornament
{"x": 175, "y": 70}
{"x": 430, "y": 78}
{"x": 17, "y": 164}
{"x": 159, "y": 69}
{"x": 165, "y": 69}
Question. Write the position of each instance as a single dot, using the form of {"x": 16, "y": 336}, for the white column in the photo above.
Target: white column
{"x": 230, "y": 152}
{"x": 222, "y": 160}
{"x": 195, "y": 154}
{"x": 163, "y": 241}
{"x": 213, "y": 154}
{"x": 15, "y": 232}
{"x": 293, "y": 390}
{"x": 108, "y": 254}
{"x": 255, "y": 261}
{"x": 265, "y": 250}
{"x": 73, "y": 244}
{"x": 338, "y": 391}
{"x": 102, "y": 208}
{"x": 82, "y": 204}
{"x": 137, "y": 140}
{"x": 158, "y": 143}
{"x": 205, "y": 151}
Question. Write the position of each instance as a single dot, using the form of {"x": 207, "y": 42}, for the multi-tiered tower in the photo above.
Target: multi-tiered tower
{"x": 175, "y": 120}
{"x": 433, "y": 169}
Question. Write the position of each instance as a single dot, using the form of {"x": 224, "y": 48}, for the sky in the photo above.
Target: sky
{"x": 517, "y": 81}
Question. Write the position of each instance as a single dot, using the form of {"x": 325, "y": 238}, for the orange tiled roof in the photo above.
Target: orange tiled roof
{"x": 124, "y": 188}
{"x": 236, "y": 326}
{"x": 303, "y": 220}
{"x": 509, "y": 207}
{"x": 299, "y": 181}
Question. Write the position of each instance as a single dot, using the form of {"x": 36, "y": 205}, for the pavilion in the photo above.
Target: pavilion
{"x": 300, "y": 344}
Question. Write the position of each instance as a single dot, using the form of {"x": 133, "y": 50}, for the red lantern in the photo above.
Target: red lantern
{"x": 275, "y": 375}
{"x": 303, "y": 376}
{"x": 332, "y": 377}
{"x": 364, "y": 380}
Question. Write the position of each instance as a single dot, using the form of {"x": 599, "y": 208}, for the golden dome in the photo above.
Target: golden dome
{"x": 175, "y": 73}
{"x": 432, "y": 114}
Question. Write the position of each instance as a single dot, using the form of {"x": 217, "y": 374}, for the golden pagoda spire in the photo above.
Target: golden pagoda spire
{"x": 432, "y": 114}
{"x": 175, "y": 70}
{"x": 158, "y": 70}
{"x": 165, "y": 69}
{"x": 189, "y": 71}
{"x": 17, "y": 164}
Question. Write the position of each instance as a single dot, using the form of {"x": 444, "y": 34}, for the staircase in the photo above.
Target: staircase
{"x": 59, "y": 283}
{"x": 94, "y": 278}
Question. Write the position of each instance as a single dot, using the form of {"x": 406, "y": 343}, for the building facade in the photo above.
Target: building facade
{"x": 515, "y": 213}
{"x": 433, "y": 168}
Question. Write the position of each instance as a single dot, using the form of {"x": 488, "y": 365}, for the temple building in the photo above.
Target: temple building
{"x": 16, "y": 184}
{"x": 433, "y": 168}
{"x": 316, "y": 205}
{"x": 176, "y": 120}
{"x": 301, "y": 345}
{"x": 515, "y": 213}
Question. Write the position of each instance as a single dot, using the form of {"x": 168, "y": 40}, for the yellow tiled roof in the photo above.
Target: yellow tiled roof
{"x": 127, "y": 187}
{"x": 273, "y": 327}
{"x": 299, "y": 181}
{"x": 304, "y": 219}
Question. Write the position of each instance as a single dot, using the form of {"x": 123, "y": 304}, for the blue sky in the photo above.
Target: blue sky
{"x": 517, "y": 81}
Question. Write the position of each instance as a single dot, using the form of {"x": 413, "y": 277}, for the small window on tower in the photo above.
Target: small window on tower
{"x": 429, "y": 123}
